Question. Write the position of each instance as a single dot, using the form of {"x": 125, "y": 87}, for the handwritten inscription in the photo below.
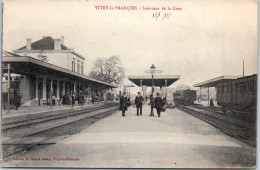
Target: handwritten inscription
{"x": 156, "y": 16}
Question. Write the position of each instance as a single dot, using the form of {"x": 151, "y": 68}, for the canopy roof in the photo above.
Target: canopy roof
{"x": 30, "y": 66}
{"x": 215, "y": 81}
{"x": 159, "y": 80}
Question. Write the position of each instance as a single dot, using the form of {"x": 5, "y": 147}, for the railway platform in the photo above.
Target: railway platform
{"x": 174, "y": 140}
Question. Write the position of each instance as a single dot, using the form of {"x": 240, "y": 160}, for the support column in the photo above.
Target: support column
{"x": 36, "y": 90}
{"x": 44, "y": 89}
{"x": 58, "y": 90}
{"x": 151, "y": 113}
{"x": 166, "y": 89}
{"x": 68, "y": 91}
{"x": 208, "y": 95}
{"x": 8, "y": 97}
{"x": 200, "y": 93}
{"x": 63, "y": 88}
{"x": 51, "y": 92}
{"x": 75, "y": 87}
{"x": 141, "y": 85}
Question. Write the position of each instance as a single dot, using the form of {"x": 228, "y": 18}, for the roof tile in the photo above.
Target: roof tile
{"x": 46, "y": 43}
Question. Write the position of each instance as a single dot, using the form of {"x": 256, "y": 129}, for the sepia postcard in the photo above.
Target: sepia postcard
{"x": 129, "y": 84}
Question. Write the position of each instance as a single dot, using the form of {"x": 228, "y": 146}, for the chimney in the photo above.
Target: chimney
{"x": 28, "y": 44}
{"x": 62, "y": 40}
{"x": 57, "y": 44}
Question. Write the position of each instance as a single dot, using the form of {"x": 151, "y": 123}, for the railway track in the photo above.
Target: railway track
{"x": 20, "y": 136}
{"x": 8, "y": 126}
{"x": 239, "y": 129}
{"x": 246, "y": 116}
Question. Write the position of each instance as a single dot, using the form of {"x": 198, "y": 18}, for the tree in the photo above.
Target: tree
{"x": 109, "y": 70}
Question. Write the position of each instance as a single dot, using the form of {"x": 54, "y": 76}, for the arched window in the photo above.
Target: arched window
{"x": 73, "y": 66}
{"x": 82, "y": 69}
{"x": 78, "y": 67}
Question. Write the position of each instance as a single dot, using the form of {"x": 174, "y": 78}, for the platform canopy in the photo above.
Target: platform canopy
{"x": 159, "y": 80}
{"x": 215, "y": 81}
{"x": 26, "y": 65}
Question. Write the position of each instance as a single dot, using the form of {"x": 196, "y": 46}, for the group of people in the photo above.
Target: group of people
{"x": 71, "y": 100}
{"x": 157, "y": 103}
{"x": 67, "y": 100}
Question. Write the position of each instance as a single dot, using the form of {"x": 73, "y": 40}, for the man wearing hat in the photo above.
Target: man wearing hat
{"x": 138, "y": 103}
{"x": 158, "y": 104}
{"x": 123, "y": 103}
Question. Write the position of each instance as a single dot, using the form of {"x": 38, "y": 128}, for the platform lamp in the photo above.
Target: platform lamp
{"x": 152, "y": 70}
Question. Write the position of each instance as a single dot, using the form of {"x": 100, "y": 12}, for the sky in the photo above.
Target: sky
{"x": 204, "y": 40}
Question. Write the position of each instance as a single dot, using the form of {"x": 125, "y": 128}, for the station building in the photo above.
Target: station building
{"x": 47, "y": 67}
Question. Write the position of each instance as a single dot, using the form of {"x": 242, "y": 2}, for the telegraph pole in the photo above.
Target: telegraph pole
{"x": 51, "y": 92}
{"x": 8, "y": 87}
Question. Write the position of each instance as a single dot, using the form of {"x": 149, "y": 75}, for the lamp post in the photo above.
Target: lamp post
{"x": 152, "y": 70}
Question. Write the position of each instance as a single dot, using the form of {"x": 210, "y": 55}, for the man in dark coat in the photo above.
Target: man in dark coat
{"x": 93, "y": 98}
{"x": 138, "y": 103}
{"x": 123, "y": 104}
{"x": 211, "y": 103}
{"x": 158, "y": 104}
{"x": 17, "y": 101}
{"x": 64, "y": 99}
{"x": 73, "y": 99}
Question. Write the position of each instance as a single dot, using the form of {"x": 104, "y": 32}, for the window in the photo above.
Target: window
{"x": 78, "y": 67}
{"x": 236, "y": 87}
{"x": 245, "y": 87}
{"x": 82, "y": 69}
{"x": 231, "y": 88}
{"x": 227, "y": 88}
{"x": 242, "y": 87}
{"x": 222, "y": 88}
{"x": 251, "y": 86}
{"x": 219, "y": 89}
{"x": 73, "y": 66}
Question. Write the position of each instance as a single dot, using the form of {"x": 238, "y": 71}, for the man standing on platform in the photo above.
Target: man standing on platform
{"x": 158, "y": 104}
{"x": 123, "y": 103}
{"x": 138, "y": 103}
